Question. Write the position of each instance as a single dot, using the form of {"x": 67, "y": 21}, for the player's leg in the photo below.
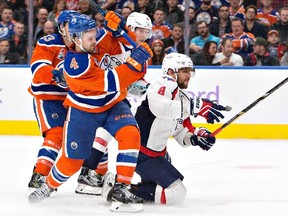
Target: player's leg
{"x": 90, "y": 181}
{"x": 50, "y": 116}
{"x": 122, "y": 123}
{"x": 79, "y": 133}
{"x": 169, "y": 188}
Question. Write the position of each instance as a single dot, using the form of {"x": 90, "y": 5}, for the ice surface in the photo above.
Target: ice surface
{"x": 234, "y": 178}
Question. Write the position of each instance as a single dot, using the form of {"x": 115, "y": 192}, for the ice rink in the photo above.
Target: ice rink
{"x": 234, "y": 178}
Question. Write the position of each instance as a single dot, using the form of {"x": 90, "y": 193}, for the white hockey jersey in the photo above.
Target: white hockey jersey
{"x": 165, "y": 112}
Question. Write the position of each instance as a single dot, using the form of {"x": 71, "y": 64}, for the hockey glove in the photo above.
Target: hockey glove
{"x": 139, "y": 56}
{"x": 138, "y": 88}
{"x": 59, "y": 78}
{"x": 208, "y": 109}
{"x": 202, "y": 137}
{"x": 114, "y": 22}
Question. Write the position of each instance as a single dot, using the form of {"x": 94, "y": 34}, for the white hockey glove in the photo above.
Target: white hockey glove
{"x": 138, "y": 88}
{"x": 208, "y": 109}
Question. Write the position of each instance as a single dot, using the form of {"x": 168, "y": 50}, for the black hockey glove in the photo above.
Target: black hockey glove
{"x": 202, "y": 137}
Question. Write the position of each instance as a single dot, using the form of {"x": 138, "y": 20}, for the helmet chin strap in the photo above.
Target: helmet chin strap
{"x": 80, "y": 45}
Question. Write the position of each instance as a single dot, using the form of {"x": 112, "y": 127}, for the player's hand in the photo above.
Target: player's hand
{"x": 113, "y": 21}
{"x": 138, "y": 88}
{"x": 59, "y": 78}
{"x": 210, "y": 110}
{"x": 139, "y": 56}
{"x": 203, "y": 138}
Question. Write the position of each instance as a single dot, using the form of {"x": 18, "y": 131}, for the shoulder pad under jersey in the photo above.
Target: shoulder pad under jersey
{"x": 52, "y": 40}
{"x": 75, "y": 63}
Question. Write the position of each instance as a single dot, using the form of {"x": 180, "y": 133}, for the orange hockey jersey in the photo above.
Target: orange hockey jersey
{"x": 49, "y": 53}
{"x": 94, "y": 85}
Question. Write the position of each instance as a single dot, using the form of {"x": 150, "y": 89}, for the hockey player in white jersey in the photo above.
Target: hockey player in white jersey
{"x": 166, "y": 112}
{"x": 90, "y": 180}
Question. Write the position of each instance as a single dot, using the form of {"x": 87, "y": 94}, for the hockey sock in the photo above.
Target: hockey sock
{"x": 49, "y": 150}
{"x": 128, "y": 139}
{"x": 94, "y": 159}
{"x": 63, "y": 170}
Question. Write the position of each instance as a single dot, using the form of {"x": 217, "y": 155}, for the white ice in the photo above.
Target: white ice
{"x": 234, "y": 178}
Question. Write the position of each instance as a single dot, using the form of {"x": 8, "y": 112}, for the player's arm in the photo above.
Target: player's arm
{"x": 114, "y": 23}
{"x": 41, "y": 64}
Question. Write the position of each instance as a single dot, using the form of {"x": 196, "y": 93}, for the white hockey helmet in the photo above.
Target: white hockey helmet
{"x": 176, "y": 61}
{"x": 139, "y": 20}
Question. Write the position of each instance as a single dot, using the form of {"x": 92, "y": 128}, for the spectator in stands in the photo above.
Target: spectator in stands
{"x": 15, "y": 4}
{"x": 48, "y": 4}
{"x": 7, "y": 57}
{"x": 6, "y": 24}
{"x": 241, "y": 40}
{"x": 131, "y": 4}
{"x": 159, "y": 3}
{"x": 284, "y": 59}
{"x": 206, "y": 55}
{"x": 72, "y": 4}
{"x": 25, "y": 59}
{"x": 125, "y": 12}
{"x": 236, "y": 10}
{"x": 21, "y": 14}
{"x": 275, "y": 48}
{"x": 197, "y": 43}
{"x": 192, "y": 3}
{"x": 246, "y": 3}
{"x": 276, "y": 4}
{"x": 192, "y": 23}
{"x": 59, "y": 6}
{"x": 206, "y": 12}
{"x": 19, "y": 40}
{"x": 175, "y": 42}
{"x": 227, "y": 57}
{"x": 266, "y": 14}
{"x": 48, "y": 28}
{"x": 252, "y": 25}
{"x": 160, "y": 28}
{"x": 260, "y": 55}
{"x": 143, "y": 6}
{"x": 99, "y": 18}
{"x": 85, "y": 8}
{"x": 42, "y": 15}
{"x": 218, "y": 3}
{"x": 282, "y": 25}
{"x": 222, "y": 25}
{"x": 173, "y": 13}
{"x": 158, "y": 52}
{"x": 108, "y": 4}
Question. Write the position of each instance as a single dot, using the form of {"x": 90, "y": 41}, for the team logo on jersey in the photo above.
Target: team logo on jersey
{"x": 74, "y": 64}
{"x": 74, "y": 145}
{"x": 105, "y": 62}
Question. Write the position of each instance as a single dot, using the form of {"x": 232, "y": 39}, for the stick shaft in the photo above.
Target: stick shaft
{"x": 121, "y": 31}
{"x": 250, "y": 106}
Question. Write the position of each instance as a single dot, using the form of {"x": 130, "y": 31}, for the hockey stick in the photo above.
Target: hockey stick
{"x": 121, "y": 31}
{"x": 250, "y": 106}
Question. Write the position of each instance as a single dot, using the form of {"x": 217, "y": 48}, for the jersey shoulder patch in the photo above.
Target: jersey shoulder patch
{"x": 75, "y": 63}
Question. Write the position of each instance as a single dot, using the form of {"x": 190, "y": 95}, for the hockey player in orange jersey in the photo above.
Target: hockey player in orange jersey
{"x": 95, "y": 99}
{"x": 90, "y": 181}
{"x": 49, "y": 96}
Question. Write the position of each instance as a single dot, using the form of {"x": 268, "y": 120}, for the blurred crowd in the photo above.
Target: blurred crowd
{"x": 221, "y": 32}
